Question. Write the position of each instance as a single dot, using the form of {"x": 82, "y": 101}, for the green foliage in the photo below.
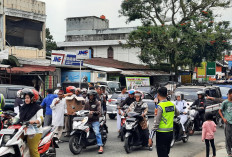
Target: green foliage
{"x": 179, "y": 32}
{"x": 50, "y": 43}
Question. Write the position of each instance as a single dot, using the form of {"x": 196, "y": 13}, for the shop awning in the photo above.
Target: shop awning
{"x": 102, "y": 68}
{"x": 144, "y": 73}
{"x": 31, "y": 68}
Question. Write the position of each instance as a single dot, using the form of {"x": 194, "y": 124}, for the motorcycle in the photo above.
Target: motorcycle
{"x": 123, "y": 121}
{"x": 133, "y": 131}
{"x": 194, "y": 119}
{"x": 13, "y": 141}
{"x": 83, "y": 134}
{"x": 6, "y": 116}
{"x": 178, "y": 133}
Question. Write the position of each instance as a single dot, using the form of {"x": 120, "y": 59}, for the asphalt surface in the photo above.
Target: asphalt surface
{"x": 114, "y": 147}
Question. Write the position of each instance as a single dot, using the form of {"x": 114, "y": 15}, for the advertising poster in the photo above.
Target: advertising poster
{"x": 74, "y": 76}
{"x": 211, "y": 68}
{"x": 201, "y": 71}
{"x": 135, "y": 82}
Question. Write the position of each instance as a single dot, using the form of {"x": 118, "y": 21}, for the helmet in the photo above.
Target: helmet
{"x": 34, "y": 94}
{"x": 178, "y": 94}
{"x": 19, "y": 93}
{"x": 132, "y": 91}
{"x": 56, "y": 91}
{"x": 138, "y": 94}
{"x": 200, "y": 93}
{"x": 70, "y": 89}
{"x": 92, "y": 92}
{"x": 84, "y": 90}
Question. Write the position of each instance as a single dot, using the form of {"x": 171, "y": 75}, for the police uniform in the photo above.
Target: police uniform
{"x": 163, "y": 125}
{"x": 2, "y": 101}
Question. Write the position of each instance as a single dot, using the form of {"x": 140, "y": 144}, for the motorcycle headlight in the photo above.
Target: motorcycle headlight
{"x": 6, "y": 138}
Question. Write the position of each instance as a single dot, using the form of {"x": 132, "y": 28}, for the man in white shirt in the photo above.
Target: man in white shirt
{"x": 59, "y": 108}
{"x": 181, "y": 105}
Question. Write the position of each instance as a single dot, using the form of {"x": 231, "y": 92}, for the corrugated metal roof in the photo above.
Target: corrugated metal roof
{"x": 90, "y": 43}
{"x": 101, "y": 68}
{"x": 43, "y": 62}
{"x": 144, "y": 73}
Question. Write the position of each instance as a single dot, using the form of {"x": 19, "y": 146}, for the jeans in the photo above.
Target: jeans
{"x": 228, "y": 134}
{"x": 96, "y": 129}
{"x": 48, "y": 120}
{"x": 163, "y": 142}
{"x": 207, "y": 147}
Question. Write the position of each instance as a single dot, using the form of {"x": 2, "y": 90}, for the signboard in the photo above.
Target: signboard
{"x": 228, "y": 58}
{"x": 57, "y": 59}
{"x": 72, "y": 60}
{"x": 135, "y": 82}
{"x": 201, "y": 71}
{"x": 211, "y": 68}
{"x": 74, "y": 76}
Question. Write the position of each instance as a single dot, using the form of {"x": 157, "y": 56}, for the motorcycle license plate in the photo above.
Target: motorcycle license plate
{"x": 7, "y": 131}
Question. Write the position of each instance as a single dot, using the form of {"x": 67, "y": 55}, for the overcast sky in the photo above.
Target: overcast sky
{"x": 59, "y": 10}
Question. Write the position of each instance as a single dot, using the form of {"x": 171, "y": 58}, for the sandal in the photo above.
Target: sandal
{"x": 100, "y": 151}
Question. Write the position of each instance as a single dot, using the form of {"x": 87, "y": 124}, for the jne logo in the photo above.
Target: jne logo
{"x": 57, "y": 59}
{"x": 83, "y": 52}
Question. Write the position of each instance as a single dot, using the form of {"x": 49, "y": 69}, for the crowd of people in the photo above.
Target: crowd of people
{"x": 95, "y": 98}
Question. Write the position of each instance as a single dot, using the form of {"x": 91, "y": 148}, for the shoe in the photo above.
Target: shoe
{"x": 100, "y": 151}
{"x": 184, "y": 136}
{"x": 60, "y": 141}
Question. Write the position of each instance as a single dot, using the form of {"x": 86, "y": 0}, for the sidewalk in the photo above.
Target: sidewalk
{"x": 221, "y": 151}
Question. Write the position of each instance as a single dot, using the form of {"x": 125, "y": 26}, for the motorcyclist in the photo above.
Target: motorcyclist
{"x": 94, "y": 106}
{"x": 200, "y": 104}
{"x": 137, "y": 106}
{"x": 181, "y": 105}
{"x": 33, "y": 113}
{"x": 18, "y": 102}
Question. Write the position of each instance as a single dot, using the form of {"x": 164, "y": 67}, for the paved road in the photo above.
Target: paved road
{"x": 114, "y": 147}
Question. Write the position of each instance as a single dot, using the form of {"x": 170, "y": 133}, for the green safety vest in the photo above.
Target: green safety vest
{"x": 166, "y": 123}
{"x": 1, "y": 103}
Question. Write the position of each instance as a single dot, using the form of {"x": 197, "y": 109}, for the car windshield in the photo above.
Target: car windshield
{"x": 224, "y": 91}
{"x": 189, "y": 93}
{"x": 115, "y": 96}
{"x": 114, "y": 86}
{"x": 144, "y": 89}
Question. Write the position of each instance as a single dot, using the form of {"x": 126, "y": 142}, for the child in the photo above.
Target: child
{"x": 208, "y": 129}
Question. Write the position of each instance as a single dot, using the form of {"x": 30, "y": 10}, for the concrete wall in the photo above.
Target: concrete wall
{"x": 120, "y": 54}
{"x": 85, "y": 23}
{"x": 32, "y": 6}
{"x": 27, "y": 52}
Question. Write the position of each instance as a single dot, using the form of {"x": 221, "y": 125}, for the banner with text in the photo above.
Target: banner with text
{"x": 135, "y": 82}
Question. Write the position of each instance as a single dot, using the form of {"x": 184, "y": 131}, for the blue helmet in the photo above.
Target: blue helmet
{"x": 131, "y": 91}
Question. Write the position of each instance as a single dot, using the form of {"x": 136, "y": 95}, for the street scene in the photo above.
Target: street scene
{"x": 142, "y": 78}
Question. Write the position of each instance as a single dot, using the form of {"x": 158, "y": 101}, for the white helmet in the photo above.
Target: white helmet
{"x": 200, "y": 93}
{"x": 178, "y": 94}
{"x": 56, "y": 91}
{"x": 19, "y": 93}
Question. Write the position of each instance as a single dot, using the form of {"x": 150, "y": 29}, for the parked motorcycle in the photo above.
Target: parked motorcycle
{"x": 123, "y": 121}
{"x": 178, "y": 133}
{"x": 6, "y": 116}
{"x": 13, "y": 141}
{"x": 83, "y": 134}
{"x": 133, "y": 131}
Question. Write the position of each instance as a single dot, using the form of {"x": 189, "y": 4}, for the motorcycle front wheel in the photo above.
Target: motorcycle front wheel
{"x": 74, "y": 147}
{"x": 173, "y": 139}
{"x": 128, "y": 147}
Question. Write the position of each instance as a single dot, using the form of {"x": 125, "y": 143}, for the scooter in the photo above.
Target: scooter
{"x": 123, "y": 121}
{"x": 6, "y": 116}
{"x": 178, "y": 133}
{"x": 13, "y": 141}
{"x": 83, "y": 134}
{"x": 133, "y": 131}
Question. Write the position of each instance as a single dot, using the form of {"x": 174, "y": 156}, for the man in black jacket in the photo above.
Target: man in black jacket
{"x": 200, "y": 104}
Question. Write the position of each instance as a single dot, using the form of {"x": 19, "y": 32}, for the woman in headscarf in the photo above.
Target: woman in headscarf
{"x": 33, "y": 113}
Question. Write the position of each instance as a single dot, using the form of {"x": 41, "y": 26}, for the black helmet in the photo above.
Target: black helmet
{"x": 92, "y": 92}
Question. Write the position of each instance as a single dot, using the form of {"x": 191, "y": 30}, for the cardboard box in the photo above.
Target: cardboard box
{"x": 74, "y": 104}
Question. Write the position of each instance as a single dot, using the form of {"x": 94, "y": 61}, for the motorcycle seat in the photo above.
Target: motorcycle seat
{"x": 130, "y": 119}
{"x": 46, "y": 130}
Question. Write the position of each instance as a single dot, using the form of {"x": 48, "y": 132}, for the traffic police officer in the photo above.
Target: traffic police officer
{"x": 163, "y": 123}
{"x": 2, "y": 103}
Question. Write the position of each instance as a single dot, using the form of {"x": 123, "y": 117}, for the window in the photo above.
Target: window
{"x": 92, "y": 52}
{"x": 110, "y": 52}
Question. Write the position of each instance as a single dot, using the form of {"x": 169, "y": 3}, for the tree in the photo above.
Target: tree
{"x": 183, "y": 32}
{"x": 50, "y": 43}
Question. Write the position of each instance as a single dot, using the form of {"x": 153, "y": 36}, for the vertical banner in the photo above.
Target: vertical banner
{"x": 201, "y": 71}
{"x": 211, "y": 69}
{"x": 48, "y": 83}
